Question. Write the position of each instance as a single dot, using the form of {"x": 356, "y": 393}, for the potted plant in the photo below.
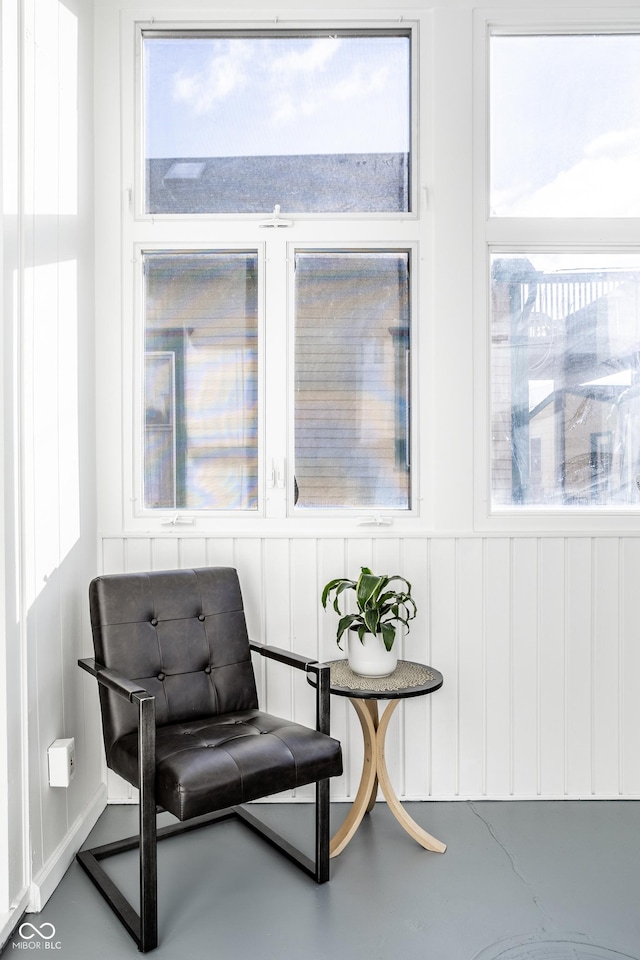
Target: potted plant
{"x": 383, "y": 602}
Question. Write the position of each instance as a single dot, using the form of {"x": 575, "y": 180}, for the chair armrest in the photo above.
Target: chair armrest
{"x": 282, "y": 655}
{"x": 321, "y": 670}
{"x": 113, "y": 680}
{"x": 146, "y": 707}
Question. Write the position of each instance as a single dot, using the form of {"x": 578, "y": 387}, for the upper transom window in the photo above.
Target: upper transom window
{"x": 565, "y": 125}
{"x": 307, "y": 122}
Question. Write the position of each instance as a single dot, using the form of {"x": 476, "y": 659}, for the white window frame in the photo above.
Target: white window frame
{"x": 515, "y": 235}
{"x": 278, "y": 26}
{"x": 143, "y": 232}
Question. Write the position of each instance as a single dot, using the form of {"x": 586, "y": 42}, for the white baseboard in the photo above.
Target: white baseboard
{"x": 47, "y": 879}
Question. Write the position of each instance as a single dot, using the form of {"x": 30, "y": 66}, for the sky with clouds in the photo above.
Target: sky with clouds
{"x": 208, "y": 97}
{"x": 565, "y": 110}
{"x": 565, "y": 125}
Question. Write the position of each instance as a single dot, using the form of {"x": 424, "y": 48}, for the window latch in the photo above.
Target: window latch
{"x": 377, "y": 521}
{"x": 180, "y": 519}
{"x": 276, "y": 220}
{"x": 276, "y": 475}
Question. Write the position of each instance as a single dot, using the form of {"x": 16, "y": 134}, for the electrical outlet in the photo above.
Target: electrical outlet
{"x": 62, "y": 756}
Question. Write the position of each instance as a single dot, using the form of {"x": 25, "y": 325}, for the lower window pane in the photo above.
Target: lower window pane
{"x": 565, "y": 379}
{"x": 200, "y": 430}
{"x": 352, "y": 406}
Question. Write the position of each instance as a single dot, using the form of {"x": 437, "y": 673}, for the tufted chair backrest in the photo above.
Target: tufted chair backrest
{"x": 182, "y": 635}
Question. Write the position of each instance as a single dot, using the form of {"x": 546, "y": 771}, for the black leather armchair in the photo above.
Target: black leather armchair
{"x": 181, "y": 721}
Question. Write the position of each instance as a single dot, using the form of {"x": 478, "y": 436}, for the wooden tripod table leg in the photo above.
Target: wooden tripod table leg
{"x": 372, "y": 707}
{"x": 421, "y": 836}
{"x": 374, "y": 770}
{"x": 368, "y": 781}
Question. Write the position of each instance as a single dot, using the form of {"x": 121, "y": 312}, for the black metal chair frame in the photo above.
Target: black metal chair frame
{"x": 143, "y": 927}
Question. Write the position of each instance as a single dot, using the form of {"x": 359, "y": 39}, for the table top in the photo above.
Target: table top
{"x": 409, "y": 679}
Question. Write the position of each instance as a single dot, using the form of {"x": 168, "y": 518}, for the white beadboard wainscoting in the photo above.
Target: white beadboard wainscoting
{"x": 538, "y": 638}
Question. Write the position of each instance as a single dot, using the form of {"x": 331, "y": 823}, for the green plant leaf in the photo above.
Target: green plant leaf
{"x": 388, "y": 635}
{"x": 337, "y": 587}
{"x": 344, "y": 625}
{"x": 367, "y": 589}
{"x": 407, "y": 585}
{"x": 372, "y": 621}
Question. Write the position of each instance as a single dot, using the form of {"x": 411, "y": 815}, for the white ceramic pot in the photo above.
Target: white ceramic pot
{"x": 371, "y": 658}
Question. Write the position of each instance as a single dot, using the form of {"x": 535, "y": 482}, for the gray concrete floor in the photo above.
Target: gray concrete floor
{"x": 540, "y": 880}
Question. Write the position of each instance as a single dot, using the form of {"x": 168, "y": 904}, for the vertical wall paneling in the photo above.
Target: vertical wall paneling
{"x": 444, "y": 621}
{"x": 139, "y": 556}
{"x": 113, "y": 555}
{"x": 276, "y": 624}
{"x": 332, "y": 562}
{"x": 304, "y": 599}
{"x": 417, "y": 711}
{"x": 524, "y": 745}
{"x": 498, "y": 656}
{"x": 246, "y": 556}
{"x": 536, "y": 638}
{"x": 551, "y": 667}
{"x": 220, "y": 552}
{"x": 578, "y": 667}
{"x": 629, "y": 669}
{"x": 471, "y": 675}
{"x": 279, "y": 682}
{"x": 165, "y": 553}
{"x": 497, "y": 645}
{"x": 606, "y": 676}
{"x": 192, "y": 552}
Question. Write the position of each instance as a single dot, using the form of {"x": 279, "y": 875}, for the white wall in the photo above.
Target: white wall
{"x": 50, "y": 507}
{"x": 13, "y": 822}
{"x": 532, "y": 623}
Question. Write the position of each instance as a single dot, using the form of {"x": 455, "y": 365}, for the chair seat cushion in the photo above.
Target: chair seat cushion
{"x": 229, "y": 759}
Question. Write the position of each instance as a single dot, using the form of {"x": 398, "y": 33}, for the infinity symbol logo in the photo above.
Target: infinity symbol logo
{"x": 36, "y": 931}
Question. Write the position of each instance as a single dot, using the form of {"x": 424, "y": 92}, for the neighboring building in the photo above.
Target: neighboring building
{"x": 565, "y": 385}
{"x": 331, "y": 183}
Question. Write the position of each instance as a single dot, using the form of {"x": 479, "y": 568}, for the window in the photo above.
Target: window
{"x": 241, "y": 123}
{"x": 564, "y": 280}
{"x": 565, "y": 364}
{"x": 275, "y": 346}
{"x": 565, "y": 125}
{"x": 201, "y": 396}
{"x": 352, "y": 380}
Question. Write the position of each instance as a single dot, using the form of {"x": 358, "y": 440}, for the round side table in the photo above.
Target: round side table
{"x": 408, "y": 680}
